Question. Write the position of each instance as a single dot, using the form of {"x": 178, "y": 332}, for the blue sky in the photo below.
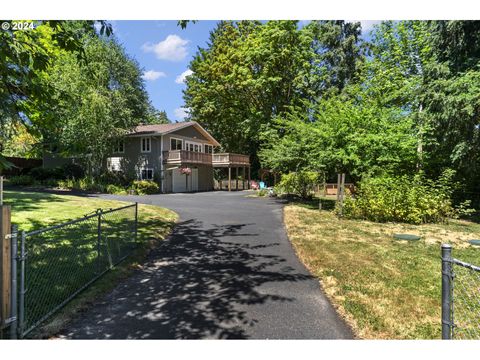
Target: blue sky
{"x": 164, "y": 51}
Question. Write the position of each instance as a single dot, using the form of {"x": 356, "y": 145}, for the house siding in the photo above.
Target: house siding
{"x": 133, "y": 160}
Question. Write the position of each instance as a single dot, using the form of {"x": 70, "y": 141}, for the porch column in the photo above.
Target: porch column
{"x": 236, "y": 178}
{"x": 229, "y": 178}
{"x": 243, "y": 178}
{"x": 249, "y": 178}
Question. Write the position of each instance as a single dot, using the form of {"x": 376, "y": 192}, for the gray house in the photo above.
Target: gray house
{"x": 179, "y": 156}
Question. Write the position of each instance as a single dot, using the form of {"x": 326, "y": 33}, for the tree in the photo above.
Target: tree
{"x": 342, "y": 135}
{"x": 251, "y": 73}
{"x": 95, "y": 101}
{"x": 23, "y": 56}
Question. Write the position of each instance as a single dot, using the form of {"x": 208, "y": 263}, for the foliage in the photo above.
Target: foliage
{"x": 415, "y": 200}
{"x": 342, "y": 135}
{"x": 73, "y": 171}
{"x": 145, "y": 187}
{"x": 250, "y": 72}
{"x": 115, "y": 178}
{"x": 24, "y": 56}
{"x": 262, "y": 192}
{"x": 40, "y": 173}
{"x": 21, "y": 180}
{"x": 115, "y": 189}
{"x": 299, "y": 183}
{"x": 97, "y": 102}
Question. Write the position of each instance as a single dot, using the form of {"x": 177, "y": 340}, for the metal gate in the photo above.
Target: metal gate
{"x": 54, "y": 264}
{"x": 460, "y": 297}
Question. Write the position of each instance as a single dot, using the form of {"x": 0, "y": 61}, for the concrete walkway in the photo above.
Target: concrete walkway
{"x": 227, "y": 271}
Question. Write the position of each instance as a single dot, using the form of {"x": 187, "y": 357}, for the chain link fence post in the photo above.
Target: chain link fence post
{"x": 99, "y": 241}
{"x": 447, "y": 321}
{"x": 14, "y": 309}
{"x": 136, "y": 223}
{"x": 21, "y": 303}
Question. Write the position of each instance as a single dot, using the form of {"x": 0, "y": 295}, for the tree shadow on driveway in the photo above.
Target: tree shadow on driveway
{"x": 195, "y": 285}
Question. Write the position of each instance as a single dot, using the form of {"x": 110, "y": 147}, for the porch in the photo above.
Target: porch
{"x": 237, "y": 162}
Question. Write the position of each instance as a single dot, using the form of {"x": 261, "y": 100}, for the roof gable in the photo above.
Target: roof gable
{"x": 162, "y": 129}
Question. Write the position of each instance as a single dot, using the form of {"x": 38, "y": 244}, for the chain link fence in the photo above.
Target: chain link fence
{"x": 58, "y": 262}
{"x": 460, "y": 298}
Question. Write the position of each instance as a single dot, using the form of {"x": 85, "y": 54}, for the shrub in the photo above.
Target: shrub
{"x": 145, "y": 187}
{"x": 299, "y": 183}
{"x": 42, "y": 174}
{"x": 72, "y": 171}
{"x": 263, "y": 192}
{"x": 407, "y": 199}
{"x": 21, "y": 180}
{"x": 115, "y": 178}
{"x": 50, "y": 182}
{"x": 115, "y": 189}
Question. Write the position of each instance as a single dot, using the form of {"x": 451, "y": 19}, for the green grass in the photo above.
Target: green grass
{"x": 61, "y": 261}
{"x": 385, "y": 289}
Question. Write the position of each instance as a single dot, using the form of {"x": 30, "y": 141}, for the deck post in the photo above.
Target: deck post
{"x": 236, "y": 178}
{"x": 229, "y": 178}
{"x": 243, "y": 178}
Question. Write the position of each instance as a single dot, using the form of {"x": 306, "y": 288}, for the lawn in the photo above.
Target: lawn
{"x": 61, "y": 261}
{"x": 384, "y": 288}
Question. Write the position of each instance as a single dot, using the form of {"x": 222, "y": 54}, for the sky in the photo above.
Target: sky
{"x": 164, "y": 51}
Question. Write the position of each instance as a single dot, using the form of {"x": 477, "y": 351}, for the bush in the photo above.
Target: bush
{"x": 407, "y": 199}
{"x": 145, "y": 187}
{"x": 42, "y": 174}
{"x": 262, "y": 192}
{"x": 72, "y": 171}
{"x": 115, "y": 189}
{"x": 299, "y": 183}
{"x": 115, "y": 178}
{"x": 21, "y": 180}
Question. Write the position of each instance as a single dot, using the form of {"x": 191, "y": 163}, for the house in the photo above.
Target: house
{"x": 181, "y": 157}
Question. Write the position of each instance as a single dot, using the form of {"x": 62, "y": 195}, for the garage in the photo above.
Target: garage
{"x": 184, "y": 183}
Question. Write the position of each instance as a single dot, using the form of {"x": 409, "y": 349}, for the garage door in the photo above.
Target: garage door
{"x": 179, "y": 181}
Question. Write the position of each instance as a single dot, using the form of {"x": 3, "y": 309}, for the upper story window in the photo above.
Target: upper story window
{"x": 146, "y": 144}
{"x": 208, "y": 149}
{"x": 119, "y": 146}
{"x": 176, "y": 144}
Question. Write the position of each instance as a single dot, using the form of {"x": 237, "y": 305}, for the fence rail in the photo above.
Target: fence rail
{"x": 56, "y": 263}
{"x": 460, "y": 297}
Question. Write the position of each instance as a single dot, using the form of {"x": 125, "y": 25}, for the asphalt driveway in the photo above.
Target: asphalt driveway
{"x": 227, "y": 271}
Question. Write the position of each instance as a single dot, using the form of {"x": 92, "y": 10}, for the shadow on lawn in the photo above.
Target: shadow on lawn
{"x": 29, "y": 201}
{"x": 196, "y": 285}
{"x": 312, "y": 203}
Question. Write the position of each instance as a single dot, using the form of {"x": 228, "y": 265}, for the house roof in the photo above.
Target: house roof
{"x": 162, "y": 129}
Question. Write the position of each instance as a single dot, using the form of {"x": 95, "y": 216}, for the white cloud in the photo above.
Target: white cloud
{"x": 181, "y": 113}
{"x": 151, "y": 75}
{"x": 173, "y": 48}
{"x": 181, "y": 78}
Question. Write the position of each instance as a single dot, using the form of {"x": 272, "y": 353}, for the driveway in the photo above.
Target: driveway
{"x": 227, "y": 271}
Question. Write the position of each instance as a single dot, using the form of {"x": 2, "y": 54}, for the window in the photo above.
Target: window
{"x": 145, "y": 144}
{"x": 176, "y": 144}
{"x": 147, "y": 174}
{"x": 208, "y": 149}
{"x": 193, "y": 146}
{"x": 119, "y": 146}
